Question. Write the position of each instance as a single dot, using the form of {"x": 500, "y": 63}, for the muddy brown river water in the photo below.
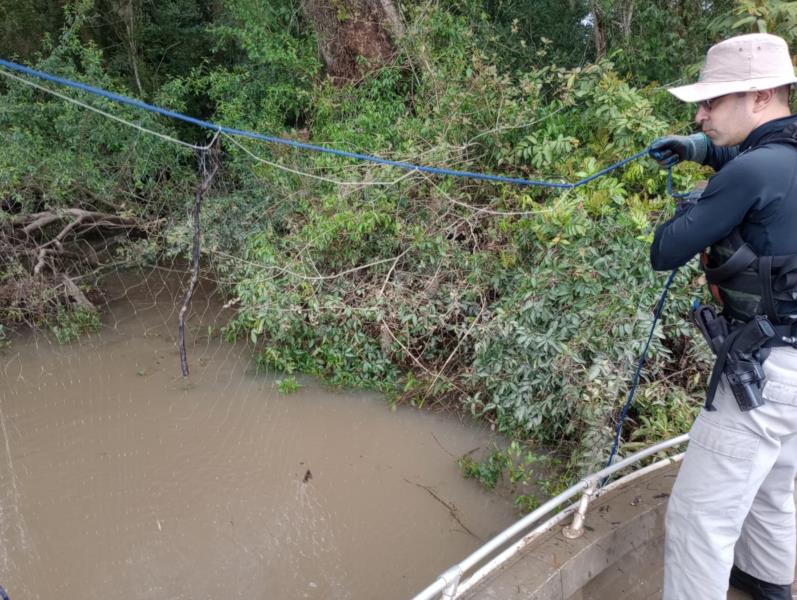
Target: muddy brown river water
{"x": 122, "y": 481}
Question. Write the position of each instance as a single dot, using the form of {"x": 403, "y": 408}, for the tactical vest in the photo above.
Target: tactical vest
{"x": 748, "y": 284}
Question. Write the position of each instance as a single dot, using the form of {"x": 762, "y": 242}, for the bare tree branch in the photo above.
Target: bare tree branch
{"x": 200, "y": 192}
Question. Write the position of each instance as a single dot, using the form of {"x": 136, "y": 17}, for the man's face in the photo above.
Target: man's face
{"x": 727, "y": 120}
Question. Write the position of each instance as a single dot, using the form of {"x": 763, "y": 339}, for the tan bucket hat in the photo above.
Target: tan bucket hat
{"x": 745, "y": 63}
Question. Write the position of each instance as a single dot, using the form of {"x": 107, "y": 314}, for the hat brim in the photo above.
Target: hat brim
{"x": 706, "y": 90}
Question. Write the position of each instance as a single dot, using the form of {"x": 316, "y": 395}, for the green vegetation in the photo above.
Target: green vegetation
{"x": 512, "y": 461}
{"x": 69, "y": 324}
{"x": 288, "y": 385}
{"x": 526, "y": 307}
{"x": 519, "y": 472}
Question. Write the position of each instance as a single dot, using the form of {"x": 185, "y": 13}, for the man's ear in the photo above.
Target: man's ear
{"x": 763, "y": 98}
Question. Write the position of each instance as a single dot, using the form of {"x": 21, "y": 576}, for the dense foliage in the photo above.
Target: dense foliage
{"x": 527, "y": 307}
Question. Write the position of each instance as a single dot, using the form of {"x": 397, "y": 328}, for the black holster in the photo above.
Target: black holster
{"x": 740, "y": 355}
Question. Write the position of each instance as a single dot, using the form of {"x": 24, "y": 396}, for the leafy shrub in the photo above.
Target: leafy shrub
{"x": 69, "y": 324}
{"x": 288, "y": 385}
{"x": 57, "y": 154}
{"x": 534, "y": 321}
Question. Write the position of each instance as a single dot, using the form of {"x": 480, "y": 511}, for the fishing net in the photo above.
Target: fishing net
{"x": 148, "y": 448}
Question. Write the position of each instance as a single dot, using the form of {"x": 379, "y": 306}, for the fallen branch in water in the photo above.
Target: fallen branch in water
{"x": 74, "y": 292}
{"x": 451, "y": 508}
{"x": 45, "y": 253}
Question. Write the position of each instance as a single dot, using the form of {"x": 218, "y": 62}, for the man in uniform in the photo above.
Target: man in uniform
{"x": 730, "y": 518}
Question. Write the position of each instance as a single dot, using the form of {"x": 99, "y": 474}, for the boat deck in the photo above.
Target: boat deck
{"x": 620, "y": 554}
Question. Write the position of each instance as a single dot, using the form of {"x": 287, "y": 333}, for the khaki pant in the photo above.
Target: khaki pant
{"x": 733, "y": 500}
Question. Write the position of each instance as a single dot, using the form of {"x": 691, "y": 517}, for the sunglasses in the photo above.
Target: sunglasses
{"x": 708, "y": 104}
{"x": 712, "y": 102}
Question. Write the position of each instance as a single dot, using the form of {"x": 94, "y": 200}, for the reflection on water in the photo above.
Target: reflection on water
{"x": 122, "y": 481}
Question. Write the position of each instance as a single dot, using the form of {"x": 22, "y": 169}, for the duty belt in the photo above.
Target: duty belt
{"x": 741, "y": 349}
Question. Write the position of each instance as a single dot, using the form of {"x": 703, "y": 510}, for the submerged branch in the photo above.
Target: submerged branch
{"x": 200, "y": 192}
{"x": 452, "y": 510}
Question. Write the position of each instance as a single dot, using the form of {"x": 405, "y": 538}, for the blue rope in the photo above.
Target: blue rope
{"x": 669, "y": 186}
{"x": 277, "y": 140}
{"x": 3, "y": 595}
{"x": 638, "y": 373}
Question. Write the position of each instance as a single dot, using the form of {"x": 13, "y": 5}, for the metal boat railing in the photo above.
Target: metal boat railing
{"x": 450, "y": 584}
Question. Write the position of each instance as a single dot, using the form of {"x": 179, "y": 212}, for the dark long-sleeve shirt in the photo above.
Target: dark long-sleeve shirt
{"x": 754, "y": 189}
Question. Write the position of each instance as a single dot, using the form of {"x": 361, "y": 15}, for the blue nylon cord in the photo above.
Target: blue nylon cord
{"x": 277, "y": 140}
{"x": 638, "y": 373}
{"x": 669, "y": 186}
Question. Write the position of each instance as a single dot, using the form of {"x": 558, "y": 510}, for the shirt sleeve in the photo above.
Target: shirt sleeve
{"x": 717, "y": 156}
{"x": 723, "y": 205}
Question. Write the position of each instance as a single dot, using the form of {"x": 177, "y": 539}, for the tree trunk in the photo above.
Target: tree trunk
{"x": 127, "y": 26}
{"x": 627, "y": 18}
{"x": 597, "y": 29}
{"x": 354, "y": 36}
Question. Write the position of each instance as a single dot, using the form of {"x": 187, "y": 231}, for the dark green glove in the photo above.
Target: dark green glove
{"x": 672, "y": 149}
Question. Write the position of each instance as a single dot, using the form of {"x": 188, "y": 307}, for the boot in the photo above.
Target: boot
{"x": 757, "y": 588}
